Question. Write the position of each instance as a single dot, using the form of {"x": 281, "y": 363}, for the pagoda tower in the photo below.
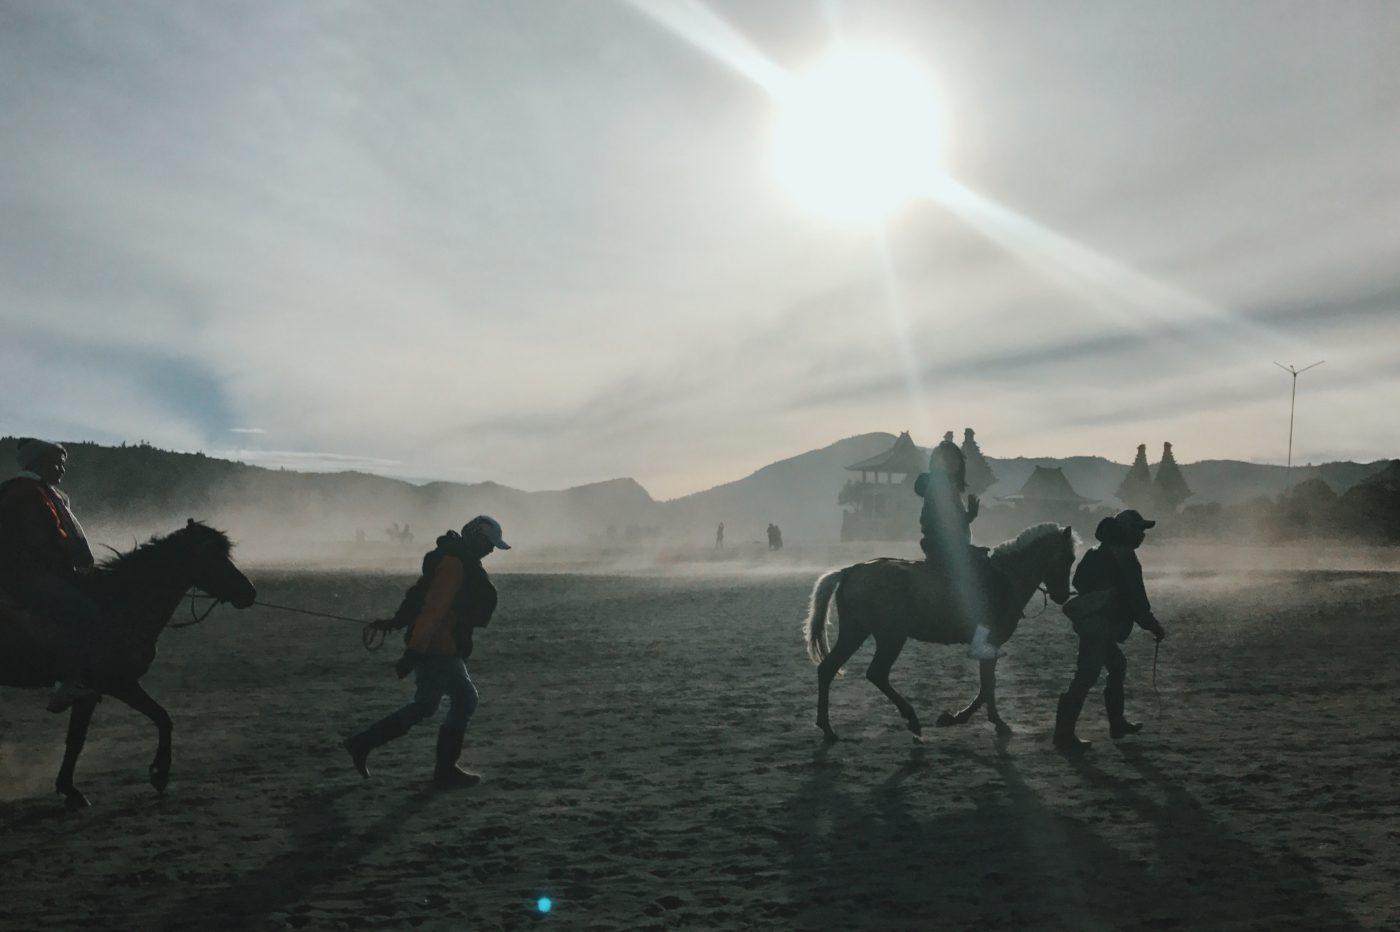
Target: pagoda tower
{"x": 980, "y": 477}
{"x": 1169, "y": 489}
{"x": 1136, "y": 489}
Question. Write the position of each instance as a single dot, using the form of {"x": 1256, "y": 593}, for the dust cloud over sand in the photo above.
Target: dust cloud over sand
{"x": 651, "y": 763}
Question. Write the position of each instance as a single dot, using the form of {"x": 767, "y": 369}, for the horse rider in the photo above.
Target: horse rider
{"x": 451, "y": 597}
{"x": 1111, "y": 599}
{"x": 44, "y": 557}
{"x": 947, "y": 531}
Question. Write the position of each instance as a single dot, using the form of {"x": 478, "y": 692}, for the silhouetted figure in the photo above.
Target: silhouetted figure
{"x": 719, "y": 536}
{"x": 451, "y": 598}
{"x": 947, "y": 530}
{"x": 405, "y": 536}
{"x": 775, "y": 537}
{"x": 1111, "y": 599}
{"x": 392, "y": 532}
{"x": 44, "y": 559}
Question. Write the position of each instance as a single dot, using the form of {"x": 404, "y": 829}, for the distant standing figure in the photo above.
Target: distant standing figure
{"x": 1111, "y": 599}
{"x": 775, "y": 537}
{"x": 719, "y": 536}
{"x": 453, "y": 596}
{"x": 44, "y": 556}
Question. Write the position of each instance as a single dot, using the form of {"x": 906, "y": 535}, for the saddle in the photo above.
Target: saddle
{"x": 945, "y": 594}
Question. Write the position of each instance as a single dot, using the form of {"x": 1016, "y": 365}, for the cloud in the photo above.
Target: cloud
{"x": 479, "y": 243}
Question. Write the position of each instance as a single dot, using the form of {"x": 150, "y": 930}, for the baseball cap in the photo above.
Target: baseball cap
{"x": 489, "y": 527}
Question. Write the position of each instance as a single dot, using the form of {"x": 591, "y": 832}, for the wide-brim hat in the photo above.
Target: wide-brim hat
{"x": 1133, "y": 520}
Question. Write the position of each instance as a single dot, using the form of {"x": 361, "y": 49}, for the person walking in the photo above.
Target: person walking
{"x": 44, "y": 558}
{"x": 1111, "y": 600}
{"x": 452, "y": 597}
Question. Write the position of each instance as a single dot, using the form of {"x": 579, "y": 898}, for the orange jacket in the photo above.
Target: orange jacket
{"x": 436, "y": 621}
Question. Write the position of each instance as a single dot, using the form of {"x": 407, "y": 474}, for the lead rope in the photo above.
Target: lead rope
{"x": 372, "y": 636}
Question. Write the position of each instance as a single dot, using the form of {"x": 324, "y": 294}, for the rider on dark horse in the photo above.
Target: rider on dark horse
{"x": 451, "y": 597}
{"x": 44, "y": 556}
{"x": 947, "y": 533}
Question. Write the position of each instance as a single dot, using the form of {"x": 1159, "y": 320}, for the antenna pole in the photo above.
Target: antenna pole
{"x": 1292, "y": 404}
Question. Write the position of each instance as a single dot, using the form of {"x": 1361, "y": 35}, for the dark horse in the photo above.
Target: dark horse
{"x": 900, "y": 599}
{"x": 137, "y": 592}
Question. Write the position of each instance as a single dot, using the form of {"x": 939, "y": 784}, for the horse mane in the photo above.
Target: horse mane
{"x": 151, "y": 560}
{"x": 1026, "y": 539}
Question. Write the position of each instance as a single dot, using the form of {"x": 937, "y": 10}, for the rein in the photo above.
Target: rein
{"x": 372, "y": 636}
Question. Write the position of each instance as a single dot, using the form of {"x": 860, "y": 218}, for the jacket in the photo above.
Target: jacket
{"x": 456, "y": 597}
{"x": 39, "y": 536}
{"x": 1112, "y": 567}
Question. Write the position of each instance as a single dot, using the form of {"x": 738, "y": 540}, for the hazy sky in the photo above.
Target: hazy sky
{"x": 542, "y": 243}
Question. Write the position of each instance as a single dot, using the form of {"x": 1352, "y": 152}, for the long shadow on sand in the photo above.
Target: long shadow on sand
{"x": 324, "y": 849}
{"x": 863, "y": 856}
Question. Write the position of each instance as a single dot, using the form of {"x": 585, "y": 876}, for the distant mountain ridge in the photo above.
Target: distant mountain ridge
{"x": 141, "y": 484}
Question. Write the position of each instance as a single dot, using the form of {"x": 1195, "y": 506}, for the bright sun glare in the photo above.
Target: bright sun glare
{"x": 857, "y": 137}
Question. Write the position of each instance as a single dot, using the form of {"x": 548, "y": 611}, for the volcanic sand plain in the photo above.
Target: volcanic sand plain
{"x": 650, "y": 762}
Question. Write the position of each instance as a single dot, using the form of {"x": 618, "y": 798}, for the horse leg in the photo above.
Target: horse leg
{"x": 848, "y": 641}
{"x": 989, "y": 689}
{"x": 946, "y": 719}
{"x": 78, "y": 720}
{"x": 886, "y": 652}
{"x": 138, "y": 699}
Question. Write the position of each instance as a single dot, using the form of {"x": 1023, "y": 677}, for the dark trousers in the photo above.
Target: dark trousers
{"x": 1098, "y": 651}
{"x": 76, "y": 615}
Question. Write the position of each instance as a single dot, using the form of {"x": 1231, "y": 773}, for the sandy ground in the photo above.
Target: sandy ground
{"x": 651, "y": 762}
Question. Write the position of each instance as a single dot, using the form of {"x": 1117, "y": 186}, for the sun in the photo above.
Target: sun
{"x": 857, "y": 136}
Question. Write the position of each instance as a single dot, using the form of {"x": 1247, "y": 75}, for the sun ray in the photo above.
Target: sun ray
{"x": 1119, "y": 294}
{"x": 706, "y": 31}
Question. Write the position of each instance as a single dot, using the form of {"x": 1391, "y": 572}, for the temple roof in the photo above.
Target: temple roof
{"x": 1048, "y": 484}
{"x": 903, "y": 457}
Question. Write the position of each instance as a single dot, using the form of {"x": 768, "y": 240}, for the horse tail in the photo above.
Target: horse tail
{"x": 814, "y": 628}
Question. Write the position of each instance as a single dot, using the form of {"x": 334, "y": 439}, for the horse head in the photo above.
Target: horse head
{"x": 153, "y": 577}
{"x": 204, "y": 555}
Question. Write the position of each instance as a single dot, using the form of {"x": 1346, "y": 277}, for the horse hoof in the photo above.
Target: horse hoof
{"x": 944, "y": 720}
{"x": 916, "y": 728}
{"x": 73, "y": 800}
{"x": 1003, "y": 730}
{"x": 160, "y": 779}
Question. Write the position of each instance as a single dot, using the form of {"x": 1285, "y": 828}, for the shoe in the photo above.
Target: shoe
{"x": 981, "y": 648}
{"x": 1123, "y": 728}
{"x": 446, "y": 774}
{"x": 380, "y": 733}
{"x": 1118, "y": 724}
{"x": 65, "y": 695}
{"x": 1066, "y": 715}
